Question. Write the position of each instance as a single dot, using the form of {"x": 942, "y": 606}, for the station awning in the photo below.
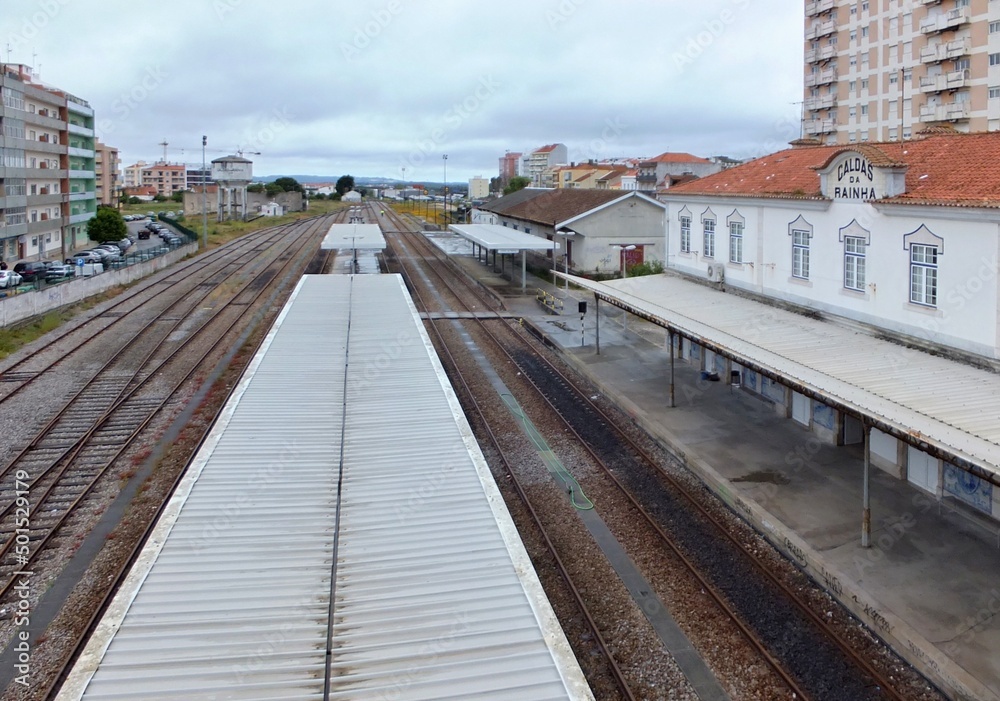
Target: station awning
{"x": 944, "y": 407}
{"x": 501, "y": 239}
{"x": 360, "y": 237}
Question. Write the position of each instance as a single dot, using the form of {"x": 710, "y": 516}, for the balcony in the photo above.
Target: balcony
{"x": 45, "y": 225}
{"x": 958, "y": 79}
{"x": 80, "y": 218}
{"x": 77, "y": 196}
{"x": 958, "y": 48}
{"x": 821, "y": 102}
{"x": 928, "y": 2}
{"x": 818, "y": 7}
{"x": 79, "y": 130}
{"x": 45, "y": 198}
{"x": 951, "y": 112}
{"x": 39, "y": 120}
{"x": 81, "y": 174}
{"x": 932, "y": 83}
{"x": 44, "y": 147}
{"x": 822, "y": 54}
{"x": 79, "y": 152}
{"x": 820, "y": 126}
{"x": 943, "y": 22}
{"x": 821, "y": 29}
{"x": 821, "y": 78}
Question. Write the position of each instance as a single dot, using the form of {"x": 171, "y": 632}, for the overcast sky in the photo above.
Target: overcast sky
{"x": 371, "y": 88}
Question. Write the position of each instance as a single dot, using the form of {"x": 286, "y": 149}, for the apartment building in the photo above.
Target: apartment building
{"x": 106, "y": 174}
{"x": 655, "y": 175}
{"x": 539, "y": 165}
{"x": 47, "y": 173}
{"x": 510, "y": 165}
{"x": 882, "y": 70}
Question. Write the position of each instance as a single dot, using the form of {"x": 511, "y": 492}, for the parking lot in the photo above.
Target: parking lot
{"x": 76, "y": 264}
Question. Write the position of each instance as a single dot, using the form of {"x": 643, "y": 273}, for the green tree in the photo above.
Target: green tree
{"x": 289, "y": 185}
{"x": 134, "y": 200}
{"x": 318, "y": 196}
{"x": 159, "y": 198}
{"x": 518, "y": 182}
{"x": 178, "y": 196}
{"x": 345, "y": 183}
{"x": 106, "y": 226}
{"x": 273, "y": 189}
{"x": 256, "y": 187}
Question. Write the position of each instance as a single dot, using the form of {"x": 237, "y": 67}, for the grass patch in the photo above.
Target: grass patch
{"x": 21, "y": 335}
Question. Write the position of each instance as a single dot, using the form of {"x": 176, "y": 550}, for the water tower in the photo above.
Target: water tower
{"x": 232, "y": 174}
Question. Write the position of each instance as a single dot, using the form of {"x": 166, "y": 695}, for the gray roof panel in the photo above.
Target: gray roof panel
{"x": 435, "y": 595}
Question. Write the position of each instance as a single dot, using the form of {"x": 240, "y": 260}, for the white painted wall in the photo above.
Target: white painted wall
{"x": 966, "y": 315}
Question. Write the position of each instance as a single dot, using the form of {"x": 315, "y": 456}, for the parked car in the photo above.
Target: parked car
{"x": 8, "y": 279}
{"x": 125, "y": 244}
{"x": 144, "y": 234}
{"x": 59, "y": 271}
{"x": 170, "y": 215}
{"x": 86, "y": 257}
{"x": 31, "y": 271}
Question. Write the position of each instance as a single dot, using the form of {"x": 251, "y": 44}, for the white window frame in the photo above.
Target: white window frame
{"x": 800, "y": 253}
{"x": 735, "y": 242}
{"x": 923, "y": 274}
{"x": 685, "y": 234}
{"x": 708, "y": 238}
{"x": 855, "y": 265}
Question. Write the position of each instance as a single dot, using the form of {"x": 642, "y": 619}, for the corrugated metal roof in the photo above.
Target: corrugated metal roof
{"x": 356, "y": 236}
{"x": 494, "y": 236}
{"x": 435, "y": 596}
{"x": 944, "y": 403}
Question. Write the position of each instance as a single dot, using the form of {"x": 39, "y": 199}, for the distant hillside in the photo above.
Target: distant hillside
{"x": 362, "y": 181}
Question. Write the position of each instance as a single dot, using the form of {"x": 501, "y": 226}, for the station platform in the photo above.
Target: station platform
{"x": 928, "y": 585}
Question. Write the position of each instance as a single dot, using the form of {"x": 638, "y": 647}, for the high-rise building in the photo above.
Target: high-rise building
{"x": 882, "y": 70}
{"x": 510, "y": 165}
{"x": 540, "y": 164}
{"x": 47, "y": 183}
{"x": 106, "y": 174}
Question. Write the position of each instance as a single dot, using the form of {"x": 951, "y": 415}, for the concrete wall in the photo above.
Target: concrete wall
{"x": 634, "y": 221}
{"x": 28, "y": 304}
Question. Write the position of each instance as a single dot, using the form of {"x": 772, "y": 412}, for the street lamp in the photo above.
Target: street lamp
{"x": 444, "y": 159}
{"x": 566, "y": 234}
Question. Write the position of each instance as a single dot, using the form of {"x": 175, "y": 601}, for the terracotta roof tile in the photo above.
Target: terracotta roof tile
{"x": 669, "y": 157}
{"x": 553, "y": 206}
{"x": 942, "y": 169}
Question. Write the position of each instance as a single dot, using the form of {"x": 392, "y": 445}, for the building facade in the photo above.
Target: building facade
{"x": 106, "y": 165}
{"x": 881, "y": 70}
{"x": 655, "y": 175}
{"x": 47, "y": 179}
{"x": 539, "y": 165}
{"x": 479, "y": 188}
{"x": 510, "y": 165}
{"x": 885, "y": 239}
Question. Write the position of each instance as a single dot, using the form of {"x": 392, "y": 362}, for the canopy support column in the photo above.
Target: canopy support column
{"x": 672, "y": 405}
{"x": 597, "y": 317}
{"x": 866, "y": 518}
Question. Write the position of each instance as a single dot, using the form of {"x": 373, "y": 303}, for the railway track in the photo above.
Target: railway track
{"x": 807, "y": 653}
{"x": 186, "y": 321}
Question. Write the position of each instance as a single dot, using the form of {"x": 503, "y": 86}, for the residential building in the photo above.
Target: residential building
{"x": 629, "y": 179}
{"x": 510, "y": 165}
{"x": 657, "y": 174}
{"x": 539, "y": 165}
{"x": 196, "y": 176}
{"x": 47, "y": 183}
{"x": 106, "y": 165}
{"x": 479, "y": 188}
{"x": 167, "y": 178}
{"x": 133, "y": 174}
{"x": 319, "y": 188}
{"x": 592, "y": 176}
{"x": 881, "y": 71}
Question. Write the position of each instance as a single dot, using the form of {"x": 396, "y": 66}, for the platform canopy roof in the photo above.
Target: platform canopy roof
{"x": 951, "y": 412}
{"x": 359, "y": 237}
{"x": 502, "y": 239}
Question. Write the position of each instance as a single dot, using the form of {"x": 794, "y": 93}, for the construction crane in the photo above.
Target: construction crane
{"x": 198, "y": 149}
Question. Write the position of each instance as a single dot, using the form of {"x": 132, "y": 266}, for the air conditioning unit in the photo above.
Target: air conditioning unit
{"x": 716, "y": 273}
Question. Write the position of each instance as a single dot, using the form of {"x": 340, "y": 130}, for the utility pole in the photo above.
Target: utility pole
{"x": 204, "y": 196}
{"x": 164, "y": 145}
